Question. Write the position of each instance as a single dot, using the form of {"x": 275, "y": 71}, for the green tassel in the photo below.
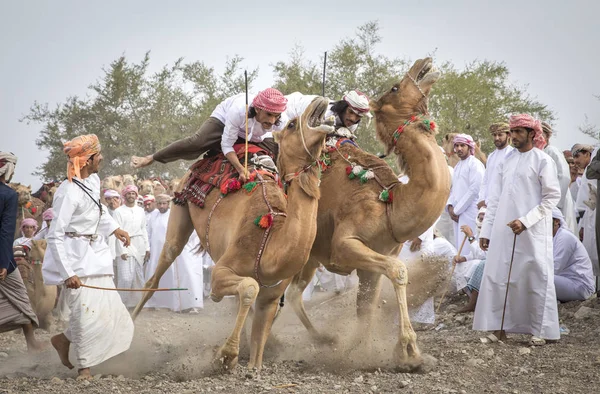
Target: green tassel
{"x": 426, "y": 122}
{"x": 351, "y": 175}
{"x": 257, "y": 220}
{"x": 250, "y": 186}
{"x": 384, "y": 196}
{"x": 361, "y": 174}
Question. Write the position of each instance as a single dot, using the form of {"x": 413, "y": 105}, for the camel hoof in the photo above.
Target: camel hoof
{"x": 409, "y": 359}
{"x": 225, "y": 360}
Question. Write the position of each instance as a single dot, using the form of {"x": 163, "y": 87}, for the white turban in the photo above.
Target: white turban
{"x": 557, "y": 214}
{"x": 109, "y": 193}
{"x": 358, "y": 102}
{"x": 7, "y": 164}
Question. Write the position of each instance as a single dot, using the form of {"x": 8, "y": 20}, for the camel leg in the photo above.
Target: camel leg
{"x": 179, "y": 229}
{"x": 294, "y": 294}
{"x": 369, "y": 288}
{"x": 264, "y": 315}
{"x": 356, "y": 255}
{"x": 226, "y": 282}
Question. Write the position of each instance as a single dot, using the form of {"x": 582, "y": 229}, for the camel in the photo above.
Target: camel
{"x": 236, "y": 242}
{"x": 448, "y": 145}
{"x": 173, "y": 184}
{"x": 114, "y": 182}
{"x": 357, "y": 230}
{"x": 29, "y": 207}
{"x": 42, "y": 297}
{"x": 128, "y": 179}
{"x": 145, "y": 187}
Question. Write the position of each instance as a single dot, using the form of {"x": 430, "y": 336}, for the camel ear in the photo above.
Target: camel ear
{"x": 277, "y": 136}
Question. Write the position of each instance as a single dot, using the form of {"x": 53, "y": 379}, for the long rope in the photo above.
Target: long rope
{"x": 451, "y": 274}
{"x": 246, "y": 144}
{"x": 119, "y": 289}
{"x": 512, "y": 257}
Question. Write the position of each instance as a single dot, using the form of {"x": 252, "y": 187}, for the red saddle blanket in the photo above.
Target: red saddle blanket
{"x": 211, "y": 172}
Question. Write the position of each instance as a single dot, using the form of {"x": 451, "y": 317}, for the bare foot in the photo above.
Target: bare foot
{"x": 62, "y": 344}
{"x": 84, "y": 374}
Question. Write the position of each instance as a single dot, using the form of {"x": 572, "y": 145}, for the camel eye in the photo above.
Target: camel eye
{"x": 292, "y": 125}
{"x": 394, "y": 89}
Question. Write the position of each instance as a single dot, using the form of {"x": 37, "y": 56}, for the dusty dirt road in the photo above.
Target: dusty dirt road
{"x": 172, "y": 353}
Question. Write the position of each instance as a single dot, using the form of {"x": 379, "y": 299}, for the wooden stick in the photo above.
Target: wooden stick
{"x": 507, "y": 284}
{"x": 283, "y": 386}
{"x": 119, "y": 289}
{"x": 451, "y": 274}
{"x": 324, "y": 73}
{"x": 246, "y": 145}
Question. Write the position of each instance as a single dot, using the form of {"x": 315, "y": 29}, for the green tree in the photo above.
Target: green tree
{"x": 135, "y": 112}
{"x": 590, "y": 129}
{"x": 470, "y": 100}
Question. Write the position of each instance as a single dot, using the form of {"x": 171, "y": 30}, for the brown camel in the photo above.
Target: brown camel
{"x": 235, "y": 241}
{"x": 448, "y": 145}
{"x": 146, "y": 186}
{"x": 29, "y": 207}
{"x": 42, "y": 297}
{"x": 356, "y": 230}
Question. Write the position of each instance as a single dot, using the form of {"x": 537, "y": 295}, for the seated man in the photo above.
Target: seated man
{"x": 573, "y": 276}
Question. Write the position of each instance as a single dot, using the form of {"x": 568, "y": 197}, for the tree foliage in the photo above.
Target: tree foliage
{"x": 134, "y": 111}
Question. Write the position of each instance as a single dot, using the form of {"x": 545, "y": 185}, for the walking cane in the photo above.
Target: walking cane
{"x": 451, "y": 274}
{"x": 246, "y": 143}
{"x": 119, "y": 289}
{"x": 507, "y": 284}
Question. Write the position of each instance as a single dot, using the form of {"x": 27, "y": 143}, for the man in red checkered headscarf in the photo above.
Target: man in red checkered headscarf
{"x": 226, "y": 127}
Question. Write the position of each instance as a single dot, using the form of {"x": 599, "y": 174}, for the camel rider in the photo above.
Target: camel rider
{"x": 348, "y": 111}
{"x": 226, "y": 127}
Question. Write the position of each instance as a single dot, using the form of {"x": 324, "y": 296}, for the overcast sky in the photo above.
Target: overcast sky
{"x": 53, "y": 49}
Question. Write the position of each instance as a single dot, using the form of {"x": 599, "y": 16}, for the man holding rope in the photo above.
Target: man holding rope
{"x": 78, "y": 257}
{"x": 517, "y": 291}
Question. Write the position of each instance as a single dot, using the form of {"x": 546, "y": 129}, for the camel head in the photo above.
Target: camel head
{"x": 50, "y": 197}
{"x": 114, "y": 182}
{"x": 128, "y": 179}
{"x": 173, "y": 184}
{"x": 301, "y": 144}
{"x": 407, "y": 97}
{"x": 146, "y": 187}
{"x": 24, "y": 192}
{"x": 448, "y": 143}
{"x": 159, "y": 188}
{"x": 38, "y": 249}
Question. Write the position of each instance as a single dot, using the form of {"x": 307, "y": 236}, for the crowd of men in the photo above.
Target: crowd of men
{"x": 531, "y": 207}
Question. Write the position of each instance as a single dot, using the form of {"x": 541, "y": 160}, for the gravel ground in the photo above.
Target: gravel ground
{"x": 172, "y": 353}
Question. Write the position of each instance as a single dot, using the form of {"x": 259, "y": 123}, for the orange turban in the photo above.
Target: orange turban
{"x": 79, "y": 150}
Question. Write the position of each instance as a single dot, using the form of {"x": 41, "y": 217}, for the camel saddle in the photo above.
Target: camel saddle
{"x": 214, "y": 170}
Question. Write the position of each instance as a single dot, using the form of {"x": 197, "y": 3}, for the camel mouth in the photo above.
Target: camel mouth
{"x": 317, "y": 115}
{"x": 426, "y": 69}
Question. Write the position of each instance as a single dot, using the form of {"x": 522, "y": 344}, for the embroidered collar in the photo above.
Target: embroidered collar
{"x": 430, "y": 124}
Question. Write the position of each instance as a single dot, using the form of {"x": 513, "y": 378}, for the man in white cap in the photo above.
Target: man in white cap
{"x": 113, "y": 200}
{"x": 348, "y": 111}
{"x": 130, "y": 267}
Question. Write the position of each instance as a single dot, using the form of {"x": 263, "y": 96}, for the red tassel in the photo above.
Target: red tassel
{"x": 391, "y": 197}
{"x": 264, "y": 221}
{"x": 348, "y": 170}
{"x": 432, "y": 125}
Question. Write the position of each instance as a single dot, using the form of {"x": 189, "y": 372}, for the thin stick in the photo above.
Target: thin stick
{"x": 246, "y": 145}
{"x": 119, "y": 289}
{"x": 284, "y": 386}
{"x": 324, "y": 71}
{"x": 507, "y": 284}
{"x": 451, "y": 274}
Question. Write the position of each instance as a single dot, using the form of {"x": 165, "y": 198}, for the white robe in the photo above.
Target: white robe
{"x": 588, "y": 221}
{"x": 491, "y": 168}
{"x": 526, "y": 189}
{"x": 158, "y": 232}
{"x": 571, "y": 261}
{"x": 424, "y": 313}
{"x": 188, "y": 274}
{"x": 99, "y": 325}
{"x": 566, "y": 203}
{"x": 466, "y": 183}
{"x": 131, "y": 270}
{"x": 444, "y": 224}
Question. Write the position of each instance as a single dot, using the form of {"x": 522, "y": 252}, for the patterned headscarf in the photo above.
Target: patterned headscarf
{"x": 465, "y": 139}
{"x": 29, "y": 222}
{"x": 129, "y": 188}
{"x": 500, "y": 127}
{"x": 149, "y": 198}
{"x": 48, "y": 214}
{"x": 546, "y": 128}
{"x": 8, "y": 161}
{"x": 109, "y": 193}
{"x": 163, "y": 198}
{"x": 527, "y": 121}
{"x": 270, "y": 100}
{"x": 79, "y": 150}
{"x": 358, "y": 102}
